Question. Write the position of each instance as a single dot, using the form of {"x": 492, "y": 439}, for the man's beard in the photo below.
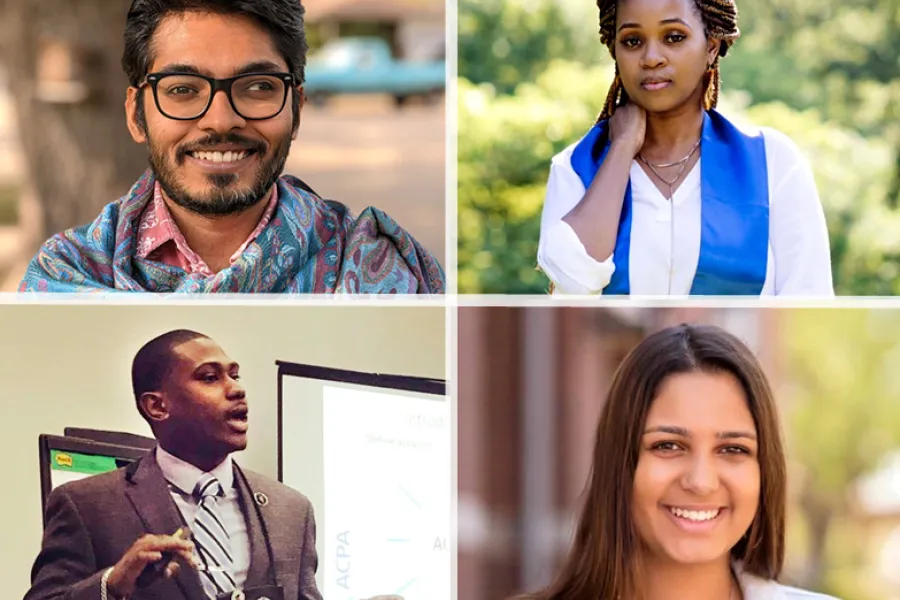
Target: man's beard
{"x": 225, "y": 198}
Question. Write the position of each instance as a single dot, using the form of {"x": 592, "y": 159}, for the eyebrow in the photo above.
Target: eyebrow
{"x": 217, "y": 365}
{"x": 673, "y": 20}
{"x": 681, "y": 431}
{"x": 259, "y": 66}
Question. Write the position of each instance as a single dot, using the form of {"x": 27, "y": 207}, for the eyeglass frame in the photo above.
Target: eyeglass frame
{"x": 216, "y": 85}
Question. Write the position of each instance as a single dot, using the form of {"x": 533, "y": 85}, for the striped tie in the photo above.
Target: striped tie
{"x": 212, "y": 542}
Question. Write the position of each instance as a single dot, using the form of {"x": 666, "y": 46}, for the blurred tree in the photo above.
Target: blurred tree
{"x": 838, "y": 57}
{"x": 505, "y": 146}
{"x": 505, "y": 43}
{"x": 68, "y": 90}
{"x": 842, "y": 412}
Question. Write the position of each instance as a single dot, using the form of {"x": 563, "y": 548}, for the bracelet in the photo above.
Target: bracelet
{"x": 103, "y": 581}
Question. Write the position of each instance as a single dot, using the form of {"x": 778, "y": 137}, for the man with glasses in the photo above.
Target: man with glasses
{"x": 216, "y": 93}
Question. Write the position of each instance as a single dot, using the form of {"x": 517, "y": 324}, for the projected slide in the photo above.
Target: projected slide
{"x": 375, "y": 462}
{"x": 387, "y": 492}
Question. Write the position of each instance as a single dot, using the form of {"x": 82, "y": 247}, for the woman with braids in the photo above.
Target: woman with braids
{"x": 686, "y": 497}
{"x": 666, "y": 196}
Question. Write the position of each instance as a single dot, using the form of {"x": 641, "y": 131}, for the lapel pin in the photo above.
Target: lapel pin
{"x": 261, "y": 498}
{"x": 238, "y": 595}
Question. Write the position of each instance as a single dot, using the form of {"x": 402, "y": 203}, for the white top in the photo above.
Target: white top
{"x": 755, "y": 588}
{"x": 799, "y": 262}
{"x": 185, "y": 476}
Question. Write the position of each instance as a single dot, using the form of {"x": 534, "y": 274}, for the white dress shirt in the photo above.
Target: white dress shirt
{"x": 755, "y": 588}
{"x": 799, "y": 258}
{"x": 184, "y": 476}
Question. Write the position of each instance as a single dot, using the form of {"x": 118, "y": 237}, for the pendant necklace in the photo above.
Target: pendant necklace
{"x": 683, "y": 162}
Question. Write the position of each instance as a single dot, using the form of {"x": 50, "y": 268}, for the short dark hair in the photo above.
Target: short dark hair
{"x": 282, "y": 19}
{"x": 154, "y": 361}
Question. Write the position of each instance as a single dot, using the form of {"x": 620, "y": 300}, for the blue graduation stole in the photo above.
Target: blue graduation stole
{"x": 734, "y": 209}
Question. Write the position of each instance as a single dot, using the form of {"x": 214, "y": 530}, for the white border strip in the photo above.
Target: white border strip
{"x": 444, "y": 301}
{"x": 451, "y": 236}
{"x": 451, "y": 344}
{"x": 451, "y": 146}
{"x": 249, "y": 300}
{"x": 452, "y": 240}
{"x": 635, "y": 302}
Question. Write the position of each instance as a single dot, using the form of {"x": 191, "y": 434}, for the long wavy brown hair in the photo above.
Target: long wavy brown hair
{"x": 604, "y": 561}
{"x": 719, "y": 23}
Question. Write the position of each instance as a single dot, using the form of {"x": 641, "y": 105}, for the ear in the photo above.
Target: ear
{"x": 155, "y": 406}
{"x": 301, "y": 95}
{"x": 712, "y": 50}
{"x": 132, "y": 118}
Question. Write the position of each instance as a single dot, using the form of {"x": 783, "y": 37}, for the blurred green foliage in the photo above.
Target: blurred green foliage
{"x": 842, "y": 414}
{"x": 533, "y": 76}
{"x": 9, "y": 204}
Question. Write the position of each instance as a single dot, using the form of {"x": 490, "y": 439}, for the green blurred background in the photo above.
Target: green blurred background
{"x": 533, "y": 76}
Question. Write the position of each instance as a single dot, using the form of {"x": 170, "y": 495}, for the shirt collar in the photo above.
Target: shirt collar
{"x": 185, "y": 476}
{"x": 757, "y": 588}
{"x": 157, "y": 227}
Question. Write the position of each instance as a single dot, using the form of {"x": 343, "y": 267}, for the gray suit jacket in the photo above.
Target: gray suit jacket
{"x": 92, "y": 522}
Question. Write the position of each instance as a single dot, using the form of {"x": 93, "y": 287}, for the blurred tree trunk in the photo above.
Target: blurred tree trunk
{"x": 62, "y": 61}
{"x": 818, "y": 516}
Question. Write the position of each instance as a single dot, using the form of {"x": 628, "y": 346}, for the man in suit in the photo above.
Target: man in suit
{"x": 122, "y": 535}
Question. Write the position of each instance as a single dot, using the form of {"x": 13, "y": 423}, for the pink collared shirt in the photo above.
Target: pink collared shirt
{"x": 159, "y": 238}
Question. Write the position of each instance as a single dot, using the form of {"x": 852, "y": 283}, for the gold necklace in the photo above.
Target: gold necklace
{"x": 669, "y": 184}
{"x": 683, "y": 162}
{"x": 677, "y": 162}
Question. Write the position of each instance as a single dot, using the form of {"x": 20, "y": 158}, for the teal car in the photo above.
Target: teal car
{"x": 366, "y": 66}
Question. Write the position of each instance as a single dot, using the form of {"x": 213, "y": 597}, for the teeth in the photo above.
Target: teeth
{"x": 695, "y": 515}
{"x": 219, "y": 157}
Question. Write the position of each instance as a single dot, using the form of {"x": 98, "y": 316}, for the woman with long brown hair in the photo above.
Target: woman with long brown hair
{"x": 686, "y": 498}
{"x": 665, "y": 195}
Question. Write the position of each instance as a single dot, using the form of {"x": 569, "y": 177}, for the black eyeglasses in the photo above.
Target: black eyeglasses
{"x": 187, "y": 96}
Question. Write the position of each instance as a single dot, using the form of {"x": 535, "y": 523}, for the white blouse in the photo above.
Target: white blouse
{"x": 799, "y": 258}
{"x": 755, "y": 588}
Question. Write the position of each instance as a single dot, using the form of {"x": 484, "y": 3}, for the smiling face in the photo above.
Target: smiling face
{"x": 220, "y": 163}
{"x": 662, "y": 52}
{"x": 697, "y": 483}
{"x": 201, "y": 406}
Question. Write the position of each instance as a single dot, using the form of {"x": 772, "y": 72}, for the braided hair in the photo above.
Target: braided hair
{"x": 719, "y": 22}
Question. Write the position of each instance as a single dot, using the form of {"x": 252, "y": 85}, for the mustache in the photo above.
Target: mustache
{"x": 216, "y": 139}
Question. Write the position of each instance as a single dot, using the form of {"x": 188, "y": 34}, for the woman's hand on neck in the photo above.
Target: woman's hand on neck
{"x": 665, "y": 579}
